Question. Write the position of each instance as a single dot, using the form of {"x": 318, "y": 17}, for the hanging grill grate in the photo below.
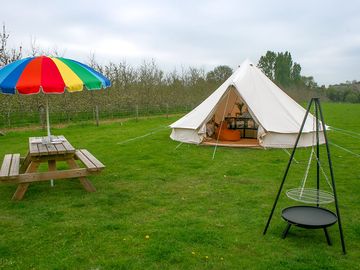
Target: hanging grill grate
{"x": 310, "y": 195}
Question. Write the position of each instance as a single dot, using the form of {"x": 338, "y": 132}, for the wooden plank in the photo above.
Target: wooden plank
{"x": 51, "y": 149}
{"x": 60, "y": 148}
{"x": 33, "y": 148}
{"x": 52, "y": 165}
{"x": 5, "y": 167}
{"x": 25, "y": 163}
{"x": 10, "y": 179}
{"x": 46, "y": 176}
{"x": 22, "y": 187}
{"x": 33, "y": 167}
{"x": 87, "y": 185}
{"x": 253, "y": 143}
{"x": 20, "y": 192}
{"x": 93, "y": 159}
{"x": 15, "y": 165}
{"x": 35, "y": 139}
{"x": 42, "y": 149}
{"x": 59, "y": 157}
{"x": 88, "y": 164}
{"x": 67, "y": 145}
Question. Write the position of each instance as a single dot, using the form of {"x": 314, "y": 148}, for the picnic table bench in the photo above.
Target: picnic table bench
{"x": 23, "y": 171}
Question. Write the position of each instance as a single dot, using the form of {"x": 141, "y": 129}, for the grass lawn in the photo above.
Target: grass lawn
{"x": 199, "y": 213}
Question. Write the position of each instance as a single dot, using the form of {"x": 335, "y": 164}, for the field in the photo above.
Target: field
{"x": 198, "y": 213}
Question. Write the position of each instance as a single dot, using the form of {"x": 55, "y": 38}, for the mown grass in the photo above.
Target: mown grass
{"x": 189, "y": 205}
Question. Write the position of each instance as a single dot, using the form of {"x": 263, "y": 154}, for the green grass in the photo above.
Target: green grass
{"x": 185, "y": 201}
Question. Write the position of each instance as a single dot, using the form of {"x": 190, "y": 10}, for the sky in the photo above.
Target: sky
{"x": 323, "y": 36}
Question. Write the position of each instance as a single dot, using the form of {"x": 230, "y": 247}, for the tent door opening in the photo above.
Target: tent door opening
{"x": 232, "y": 121}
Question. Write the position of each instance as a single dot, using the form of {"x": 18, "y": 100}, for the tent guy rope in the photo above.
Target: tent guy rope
{"x": 217, "y": 140}
{"x": 347, "y": 133}
{"x": 145, "y": 135}
{"x": 287, "y": 152}
{"x": 346, "y": 150}
{"x": 178, "y": 145}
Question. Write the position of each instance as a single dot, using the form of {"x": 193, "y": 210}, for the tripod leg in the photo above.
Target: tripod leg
{"x": 327, "y": 237}
{"x": 285, "y": 232}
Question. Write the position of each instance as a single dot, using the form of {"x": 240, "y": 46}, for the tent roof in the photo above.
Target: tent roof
{"x": 274, "y": 109}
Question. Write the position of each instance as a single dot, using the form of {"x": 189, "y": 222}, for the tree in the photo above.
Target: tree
{"x": 7, "y": 56}
{"x": 283, "y": 67}
{"x": 309, "y": 82}
{"x": 333, "y": 94}
{"x": 219, "y": 74}
{"x": 267, "y": 64}
{"x": 279, "y": 67}
{"x": 296, "y": 73}
{"x": 352, "y": 97}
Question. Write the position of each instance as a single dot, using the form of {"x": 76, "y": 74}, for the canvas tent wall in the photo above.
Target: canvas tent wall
{"x": 279, "y": 117}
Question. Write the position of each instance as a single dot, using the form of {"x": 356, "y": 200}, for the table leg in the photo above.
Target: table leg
{"x": 286, "y": 231}
{"x": 88, "y": 186}
{"x": 25, "y": 163}
{"x": 52, "y": 167}
{"x": 22, "y": 188}
{"x": 327, "y": 236}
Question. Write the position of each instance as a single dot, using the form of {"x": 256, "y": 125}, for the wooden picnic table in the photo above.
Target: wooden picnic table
{"x": 24, "y": 171}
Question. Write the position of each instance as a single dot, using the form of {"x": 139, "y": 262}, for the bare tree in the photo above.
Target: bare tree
{"x": 7, "y": 55}
{"x": 56, "y": 52}
{"x": 34, "y": 48}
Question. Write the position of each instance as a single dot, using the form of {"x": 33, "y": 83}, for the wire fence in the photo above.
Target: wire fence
{"x": 24, "y": 118}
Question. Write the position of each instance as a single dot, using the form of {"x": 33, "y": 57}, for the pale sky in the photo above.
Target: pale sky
{"x": 323, "y": 36}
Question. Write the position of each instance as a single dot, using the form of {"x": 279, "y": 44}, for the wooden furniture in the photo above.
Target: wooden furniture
{"x": 10, "y": 166}
{"x": 246, "y": 125}
{"x": 226, "y": 134}
{"x": 23, "y": 171}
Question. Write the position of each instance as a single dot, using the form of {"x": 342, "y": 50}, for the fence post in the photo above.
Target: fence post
{"x": 137, "y": 112}
{"x": 167, "y": 110}
{"x": 68, "y": 115}
{"x": 8, "y": 118}
{"x": 97, "y": 115}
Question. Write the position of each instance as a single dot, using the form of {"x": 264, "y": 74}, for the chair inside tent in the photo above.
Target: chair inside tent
{"x": 232, "y": 123}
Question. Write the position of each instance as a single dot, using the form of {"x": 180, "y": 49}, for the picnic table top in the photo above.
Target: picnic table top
{"x": 59, "y": 145}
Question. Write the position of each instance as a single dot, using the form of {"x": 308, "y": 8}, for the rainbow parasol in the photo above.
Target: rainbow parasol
{"x": 50, "y": 75}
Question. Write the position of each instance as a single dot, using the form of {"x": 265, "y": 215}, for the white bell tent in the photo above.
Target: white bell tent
{"x": 277, "y": 117}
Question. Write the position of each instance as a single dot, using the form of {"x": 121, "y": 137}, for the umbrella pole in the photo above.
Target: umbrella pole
{"x": 48, "y": 130}
{"x": 47, "y": 118}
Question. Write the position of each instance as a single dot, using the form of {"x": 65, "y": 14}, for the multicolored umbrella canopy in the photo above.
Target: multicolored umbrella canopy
{"x": 51, "y": 75}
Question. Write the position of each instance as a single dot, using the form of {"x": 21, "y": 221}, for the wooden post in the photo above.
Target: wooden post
{"x": 97, "y": 115}
{"x": 137, "y": 112}
{"x": 8, "y": 118}
{"x": 83, "y": 180}
{"x": 22, "y": 188}
{"x": 167, "y": 110}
